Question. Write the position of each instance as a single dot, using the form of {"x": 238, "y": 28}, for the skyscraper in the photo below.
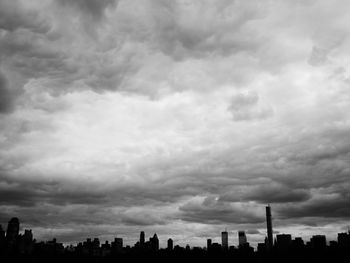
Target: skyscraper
{"x": 269, "y": 227}
{"x": 344, "y": 240}
{"x": 224, "y": 239}
{"x": 12, "y": 230}
{"x": 318, "y": 242}
{"x": 142, "y": 238}
{"x": 170, "y": 244}
{"x": 283, "y": 241}
{"x": 26, "y": 243}
{"x": 242, "y": 239}
{"x": 154, "y": 241}
{"x": 118, "y": 243}
{"x": 208, "y": 243}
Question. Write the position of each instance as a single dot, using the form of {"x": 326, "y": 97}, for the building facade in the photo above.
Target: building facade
{"x": 224, "y": 240}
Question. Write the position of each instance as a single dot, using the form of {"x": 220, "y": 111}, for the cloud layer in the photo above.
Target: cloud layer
{"x": 181, "y": 117}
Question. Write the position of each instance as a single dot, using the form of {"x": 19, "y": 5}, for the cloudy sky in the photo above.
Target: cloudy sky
{"x": 181, "y": 117}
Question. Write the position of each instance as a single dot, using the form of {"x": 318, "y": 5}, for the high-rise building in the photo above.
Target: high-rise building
{"x": 298, "y": 243}
{"x": 142, "y": 238}
{"x": 154, "y": 241}
{"x": 26, "y": 243}
{"x": 242, "y": 239}
{"x": 117, "y": 244}
{"x": 96, "y": 242}
{"x": 208, "y": 243}
{"x": 344, "y": 240}
{"x": 170, "y": 244}
{"x": 318, "y": 242}
{"x": 12, "y": 230}
{"x": 283, "y": 241}
{"x": 224, "y": 240}
{"x": 269, "y": 227}
{"x": 261, "y": 248}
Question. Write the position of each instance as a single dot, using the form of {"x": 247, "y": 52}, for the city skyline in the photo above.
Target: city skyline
{"x": 271, "y": 238}
{"x": 177, "y": 117}
{"x": 17, "y": 246}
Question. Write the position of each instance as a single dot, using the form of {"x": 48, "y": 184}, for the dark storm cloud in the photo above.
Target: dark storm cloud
{"x": 329, "y": 201}
{"x": 60, "y": 193}
{"x": 322, "y": 208}
{"x": 213, "y": 211}
{"x": 58, "y": 208}
{"x": 48, "y": 54}
{"x": 92, "y": 8}
{"x": 67, "y": 192}
{"x": 335, "y": 146}
{"x": 32, "y": 193}
{"x": 268, "y": 193}
{"x": 25, "y": 49}
{"x": 13, "y": 17}
{"x": 142, "y": 218}
{"x": 190, "y": 30}
{"x": 24, "y": 43}
{"x": 32, "y": 52}
{"x": 52, "y": 215}
{"x": 172, "y": 188}
{"x": 254, "y": 232}
{"x": 35, "y": 47}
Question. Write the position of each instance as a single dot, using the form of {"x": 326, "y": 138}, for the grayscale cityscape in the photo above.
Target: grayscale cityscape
{"x": 14, "y": 245}
{"x": 174, "y": 130}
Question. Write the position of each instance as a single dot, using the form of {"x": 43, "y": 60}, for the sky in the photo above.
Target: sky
{"x": 180, "y": 117}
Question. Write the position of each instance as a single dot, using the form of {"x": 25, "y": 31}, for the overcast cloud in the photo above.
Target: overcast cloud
{"x": 181, "y": 117}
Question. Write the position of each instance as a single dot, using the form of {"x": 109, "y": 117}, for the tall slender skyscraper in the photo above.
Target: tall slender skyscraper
{"x": 269, "y": 227}
{"x": 224, "y": 239}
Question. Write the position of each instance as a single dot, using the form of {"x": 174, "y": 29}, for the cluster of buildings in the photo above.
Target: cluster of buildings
{"x": 94, "y": 248}
{"x": 13, "y": 241}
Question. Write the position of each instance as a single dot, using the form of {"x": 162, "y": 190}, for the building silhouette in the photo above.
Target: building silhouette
{"x": 209, "y": 243}
{"x": 170, "y": 244}
{"x": 344, "y": 240}
{"x": 298, "y": 243}
{"x": 261, "y": 248}
{"x": 283, "y": 241}
{"x": 22, "y": 246}
{"x": 25, "y": 242}
{"x": 12, "y": 231}
{"x": 224, "y": 240}
{"x": 269, "y": 228}
{"x": 318, "y": 242}
{"x": 154, "y": 242}
{"x": 117, "y": 244}
{"x": 142, "y": 238}
{"x": 242, "y": 239}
